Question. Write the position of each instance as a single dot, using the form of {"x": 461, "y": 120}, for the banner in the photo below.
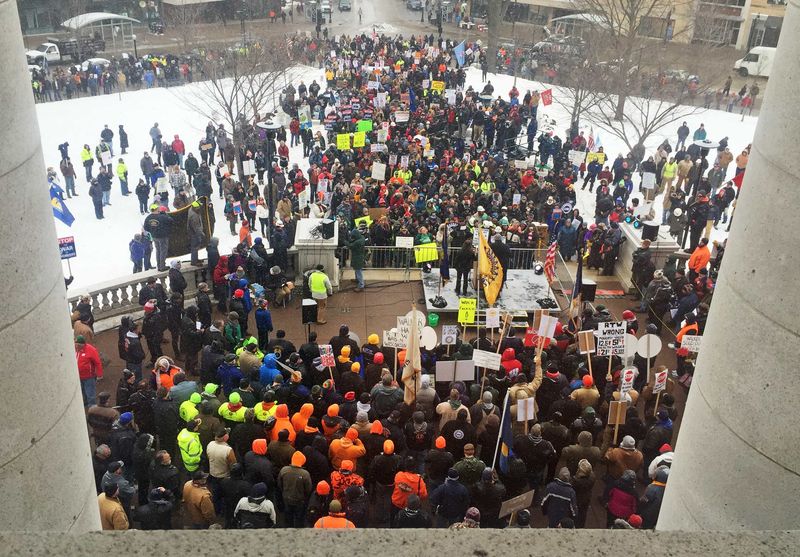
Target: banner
{"x": 426, "y": 252}
{"x": 490, "y": 271}
{"x": 547, "y": 97}
{"x": 459, "y": 51}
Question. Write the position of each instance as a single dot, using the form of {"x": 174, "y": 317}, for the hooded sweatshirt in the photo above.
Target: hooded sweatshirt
{"x": 282, "y": 422}
{"x": 300, "y": 419}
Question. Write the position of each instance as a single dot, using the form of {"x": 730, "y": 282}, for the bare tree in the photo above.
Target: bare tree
{"x": 495, "y": 15}
{"x": 183, "y": 20}
{"x": 237, "y": 86}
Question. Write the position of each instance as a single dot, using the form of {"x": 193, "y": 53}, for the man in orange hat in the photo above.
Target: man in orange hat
{"x": 294, "y": 481}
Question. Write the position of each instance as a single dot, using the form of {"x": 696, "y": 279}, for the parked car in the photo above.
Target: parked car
{"x": 757, "y": 62}
{"x": 414, "y": 4}
{"x": 91, "y": 62}
{"x": 55, "y": 50}
{"x": 344, "y": 5}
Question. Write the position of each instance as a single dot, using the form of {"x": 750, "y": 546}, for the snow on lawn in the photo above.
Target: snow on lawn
{"x": 102, "y": 245}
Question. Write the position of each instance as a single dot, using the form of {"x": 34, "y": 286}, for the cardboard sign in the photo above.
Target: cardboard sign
{"x": 515, "y": 504}
{"x": 526, "y": 409}
{"x": 689, "y": 342}
{"x": 484, "y": 358}
{"x": 449, "y": 335}
{"x": 359, "y": 139}
{"x": 343, "y": 141}
{"x": 537, "y": 317}
{"x": 237, "y": 207}
{"x": 326, "y": 355}
{"x": 617, "y": 411}
{"x": 66, "y": 246}
{"x": 378, "y": 171}
{"x": 426, "y": 252}
{"x": 661, "y": 381}
{"x": 466, "y": 310}
{"x": 105, "y": 157}
{"x": 404, "y": 242}
{"x": 586, "y": 342}
{"x": 547, "y": 326}
{"x": 493, "y": 318}
{"x": 627, "y": 377}
{"x": 391, "y": 340}
{"x": 459, "y": 370}
{"x": 612, "y": 338}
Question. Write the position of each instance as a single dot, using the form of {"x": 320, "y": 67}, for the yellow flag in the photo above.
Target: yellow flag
{"x": 489, "y": 270}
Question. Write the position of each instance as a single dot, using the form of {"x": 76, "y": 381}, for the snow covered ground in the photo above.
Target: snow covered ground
{"x": 102, "y": 245}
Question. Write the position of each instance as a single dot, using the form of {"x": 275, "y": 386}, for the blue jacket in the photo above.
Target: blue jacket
{"x": 269, "y": 370}
{"x": 594, "y": 168}
{"x": 247, "y": 301}
{"x": 263, "y": 320}
{"x": 229, "y": 376}
{"x": 452, "y": 498}
{"x": 137, "y": 250}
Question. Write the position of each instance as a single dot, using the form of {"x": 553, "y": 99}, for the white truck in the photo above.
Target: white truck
{"x": 757, "y": 62}
{"x": 55, "y": 50}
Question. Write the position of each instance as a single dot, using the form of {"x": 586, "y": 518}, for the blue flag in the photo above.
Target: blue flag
{"x": 412, "y": 100}
{"x": 60, "y": 210}
{"x": 444, "y": 268}
{"x": 506, "y": 438}
{"x": 459, "y": 51}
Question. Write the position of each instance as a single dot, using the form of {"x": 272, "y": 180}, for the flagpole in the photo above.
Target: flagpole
{"x": 500, "y": 432}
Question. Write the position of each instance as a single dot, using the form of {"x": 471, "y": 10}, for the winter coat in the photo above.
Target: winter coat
{"x": 559, "y": 502}
{"x": 357, "y": 250}
{"x": 451, "y": 500}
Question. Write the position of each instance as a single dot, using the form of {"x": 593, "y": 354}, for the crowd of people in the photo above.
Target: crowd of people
{"x": 254, "y": 430}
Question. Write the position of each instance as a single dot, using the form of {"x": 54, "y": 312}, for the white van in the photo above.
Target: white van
{"x": 757, "y": 62}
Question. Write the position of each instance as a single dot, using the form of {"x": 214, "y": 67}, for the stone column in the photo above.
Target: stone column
{"x": 46, "y": 479}
{"x": 737, "y": 461}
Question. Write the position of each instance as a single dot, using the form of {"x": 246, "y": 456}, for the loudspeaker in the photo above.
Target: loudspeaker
{"x": 588, "y": 290}
{"x": 327, "y": 229}
{"x": 309, "y": 311}
{"x": 649, "y": 232}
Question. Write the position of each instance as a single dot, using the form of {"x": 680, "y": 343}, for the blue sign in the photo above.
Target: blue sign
{"x": 67, "y": 247}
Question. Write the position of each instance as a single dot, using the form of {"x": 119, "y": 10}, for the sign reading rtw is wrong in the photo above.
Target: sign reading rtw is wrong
{"x": 611, "y": 339}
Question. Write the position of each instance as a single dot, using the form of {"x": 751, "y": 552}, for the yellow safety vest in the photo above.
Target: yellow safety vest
{"x": 231, "y": 416}
{"x": 317, "y": 282}
{"x": 191, "y": 449}
{"x": 188, "y": 411}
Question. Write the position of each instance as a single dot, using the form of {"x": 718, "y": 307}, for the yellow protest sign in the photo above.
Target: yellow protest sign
{"x": 359, "y": 138}
{"x": 343, "y": 141}
{"x": 426, "y": 252}
{"x": 466, "y": 310}
{"x": 437, "y": 86}
{"x": 367, "y": 220}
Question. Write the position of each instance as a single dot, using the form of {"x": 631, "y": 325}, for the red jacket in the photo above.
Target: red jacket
{"x": 178, "y": 146}
{"x": 89, "y": 364}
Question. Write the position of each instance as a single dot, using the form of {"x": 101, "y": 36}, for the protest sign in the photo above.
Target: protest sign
{"x": 691, "y": 343}
{"x": 515, "y": 504}
{"x": 326, "y": 355}
{"x": 586, "y": 342}
{"x": 661, "y": 382}
{"x": 66, "y": 246}
{"x": 378, "y": 171}
{"x": 493, "y": 318}
{"x": 612, "y": 338}
{"x": 484, "y": 358}
{"x": 426, "y": 252}
{"x": 449, "y": 335}
{"x": 343, "y": 141}
{"x": 359, "y": 139}
{"x": 466, "y": 310}
{"x": 404, "y": 242}
{"x": 525, "y": 409}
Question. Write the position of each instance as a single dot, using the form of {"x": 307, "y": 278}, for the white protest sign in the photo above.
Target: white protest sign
{"x": 516, "y": 198}
{"x": 648, "y": 180}
{"x": 377, "y": 148}
{"x": 390, "y": 339}
{"x": 249, "y": 167}
{"x": 547, "y": 327}
{"x": 401, "y": 116}
{"x": 577, "y": 157}
{"x": 484, "y": 358}
{"x": 691, "y": 343}
{"x": 611, "y": 340}
{"x": 626, "y": 379}
{"x": 383, "y": 135}
{"x": 661, "y": 382}
{"x": 304, "y": 198}
{"x": 631, "y": 343}
{"x": 648, "y": 346}
{"x": 378, "y": 171}
{"x": 392, "y": 160}
{"x": 525, "y": 409}
{"x": 449, "y": 335}
{"x": 404, "y": 161}
{"x": 493, "y": 318}
{"x": 404, "y": 242}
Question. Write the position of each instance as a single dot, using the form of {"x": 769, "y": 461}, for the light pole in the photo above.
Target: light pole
{"x": 272, "y": 129}
{"x": 135, "y": 50}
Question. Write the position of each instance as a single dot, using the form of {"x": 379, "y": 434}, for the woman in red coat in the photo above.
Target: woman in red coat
{"x": 622, "y": 499}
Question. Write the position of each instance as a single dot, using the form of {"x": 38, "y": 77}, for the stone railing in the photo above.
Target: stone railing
{"x": 121, "y": 295}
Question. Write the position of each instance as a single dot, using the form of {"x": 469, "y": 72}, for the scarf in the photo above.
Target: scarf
{"x": 454, "y": 404}
{"x": 362, "y": 407}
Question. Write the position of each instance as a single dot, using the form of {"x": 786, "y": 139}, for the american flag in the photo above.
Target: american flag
{"x": 590, "y": 142}
{"x": 550, "y": 263}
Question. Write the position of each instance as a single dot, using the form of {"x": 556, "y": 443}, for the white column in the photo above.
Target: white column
{"x": 46, "y": 479}
{"x": 737, "y": 461}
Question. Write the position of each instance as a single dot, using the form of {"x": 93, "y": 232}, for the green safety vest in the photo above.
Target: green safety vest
{"x": 191, "y": 449}
{"x": 317, "y": 282}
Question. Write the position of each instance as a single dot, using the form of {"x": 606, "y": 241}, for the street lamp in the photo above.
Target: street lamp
{"x": 272, "y": 129}
{"x": 135, "y": 51}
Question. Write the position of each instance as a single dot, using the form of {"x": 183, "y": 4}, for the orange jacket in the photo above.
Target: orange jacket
{"x": 300, "y": 419}
{"x": 334, "y": 521}
{"x": 345, "y": 449}
{"x": 700, "y": 258}
{"x": 406, "y": 483}
{"x": 282, "y": 422}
